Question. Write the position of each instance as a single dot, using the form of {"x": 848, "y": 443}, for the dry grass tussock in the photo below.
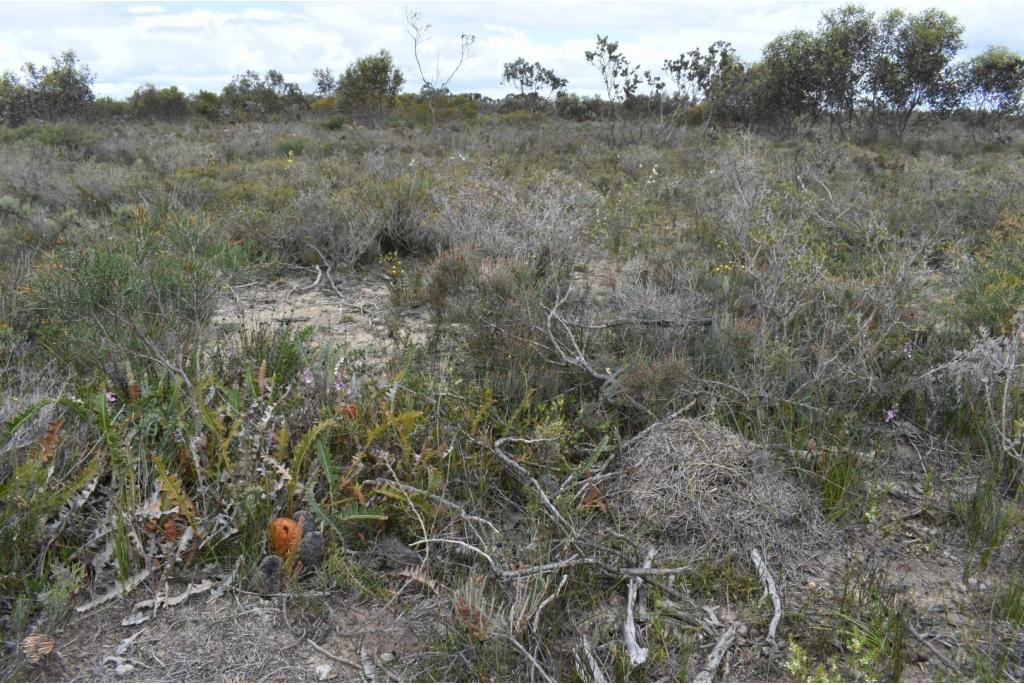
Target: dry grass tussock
{"x": 707, "y": 491}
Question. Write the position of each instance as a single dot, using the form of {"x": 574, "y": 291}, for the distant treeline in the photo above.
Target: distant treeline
{"x": 856, "y": 69}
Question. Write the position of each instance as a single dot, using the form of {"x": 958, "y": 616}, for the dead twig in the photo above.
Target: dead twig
{"x": 935, "y": 652}
{"x": 369, "y": 668}
{"x": 637, "y": 654}
{"x": 769, "y": 591}
{"x": 333, "y": 657}
{"x": 459, "y": 543}
{"x": 585, "y": 655}
{"x": 525, "y": 476}
{"x": 435, "y": 498}
{"x": 711, "y": 666}
{"x": 536, "y": 664}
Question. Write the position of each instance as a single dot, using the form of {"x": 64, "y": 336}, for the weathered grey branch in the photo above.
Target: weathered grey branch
{"x": 769, "y": 591}
{"x": 711, "y": 666}
{"x": 637, "y": 654}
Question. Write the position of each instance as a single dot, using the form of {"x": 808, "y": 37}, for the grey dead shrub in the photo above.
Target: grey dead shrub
{"x": 705, "y": 490}
{"x": 479, "y": 211}
{"x": 178, "y": 152}
{"x": 733, "y": 195}
{"x": 322, "y": 218}
{"x": 38, "y": 173}
{"x": 357, "y": 216}
{"x": 657, "y": 295}
{"x": 985, "y": 377}
{"x": 102, "y": 185}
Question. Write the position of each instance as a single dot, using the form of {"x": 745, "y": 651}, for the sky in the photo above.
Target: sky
{"x": 202, "y": 45}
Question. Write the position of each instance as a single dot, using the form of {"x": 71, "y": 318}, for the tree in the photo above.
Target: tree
{"x": 706, "y": 76}
{"x": 913, "y": 53}
{"x": 368, "y": 87}
{"x": 621, "y": 79}
{"x": 205, "y": 104}
{"x": 151, "y": 102}
{"x": 846, "y": 43}
{"x": 791, "y": 84}
{"x": 993, "y": 86}
{"x": 250, "y": 94}
{"x": 325, "y": 82}
{"x": 63, "y": 89}
{"x": 529, "y": 79}
{"x": 435, "y": 84}
{"x": 15, "y": 107}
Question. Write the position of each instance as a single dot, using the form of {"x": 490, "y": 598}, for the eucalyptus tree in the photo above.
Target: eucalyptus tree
{"x": 994, "y": 86}
{"x": 707, "y": 76}
{"x": 369, "y": 86}
{"x": 530, "y": 79}
{"x": 846, "y": 41}
{"x": 912, "y": 55}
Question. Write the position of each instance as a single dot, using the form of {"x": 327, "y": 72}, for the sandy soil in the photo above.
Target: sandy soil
{"x": 355, "y": 312}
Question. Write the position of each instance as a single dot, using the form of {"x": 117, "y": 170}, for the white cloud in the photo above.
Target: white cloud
{"x": 202, "y": 45}
{"x": 146, "y": 9}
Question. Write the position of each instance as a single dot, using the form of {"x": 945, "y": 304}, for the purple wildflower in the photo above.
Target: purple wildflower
{"x": 891, "y": 413}
{"x": 307, "y": 376}
{"x": 111, "y": 397}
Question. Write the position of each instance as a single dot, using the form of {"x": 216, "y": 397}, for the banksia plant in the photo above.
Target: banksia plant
{"x": 37, "y": 647}
{"x": 261, "y": 378}
{"x": 470, "y": 610}
{"x": 48, "y": 445}
{"x": 311, "y": 547}
{"x": 133, "y": 387}
{"x": 267, "y": 580}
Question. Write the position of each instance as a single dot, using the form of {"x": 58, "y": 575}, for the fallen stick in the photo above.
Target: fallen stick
{"x": 369, "y": 669}
{"x": 334, "y": 657}
{"x": 931, "y": 648}
{"x": 596, "y": 674}
{"x": 637, "y": 654}
{"x": 117, "y": 591}
{"x": 714, "y": 661}
{"x": 436, "y": 498}
{"x": 162, "y": 599}
{"x": 520, "y": 471}
{"x": 533, "y": 660}
{"x": 769, "y": 591}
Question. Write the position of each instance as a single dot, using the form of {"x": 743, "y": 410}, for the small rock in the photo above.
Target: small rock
{"x": 812, "y": 585}
{"x": 387, "y": 657}
{"x": 323, "y": 672}
{"x": 742, "y": 630}
{"x": 124, "y": 669}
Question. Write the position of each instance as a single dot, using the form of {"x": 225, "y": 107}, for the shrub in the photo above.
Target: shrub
{"x": 139, "y": 294}
{"x": 993, "y": 291}
{"x": 486, "y": 215}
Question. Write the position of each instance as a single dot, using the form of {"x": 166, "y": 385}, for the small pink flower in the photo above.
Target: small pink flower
{"x": 891, "y": 413}
{"x": 307, "y": 376}
{"x": 111, "y": 397}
